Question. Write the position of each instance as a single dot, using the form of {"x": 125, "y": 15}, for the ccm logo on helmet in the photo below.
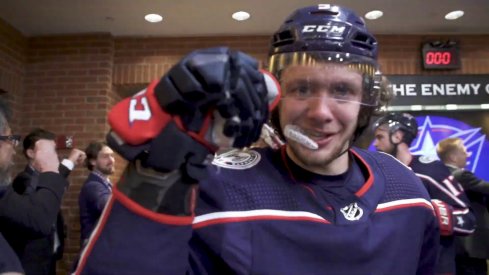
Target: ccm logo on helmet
{"x": 333, "y": 29}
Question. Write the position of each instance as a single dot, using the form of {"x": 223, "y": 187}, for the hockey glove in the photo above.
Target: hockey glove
{"x": 444, "y": 215}
{"x": 212, "y": 98}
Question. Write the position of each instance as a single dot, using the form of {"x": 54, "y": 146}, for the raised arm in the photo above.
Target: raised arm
{"x": 36, "y": 212}
{"x": 212, "y": 98}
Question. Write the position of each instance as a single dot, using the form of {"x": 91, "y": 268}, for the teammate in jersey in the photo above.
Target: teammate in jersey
{"x": 315, "y": 206}
{"x": 393, "y": 135}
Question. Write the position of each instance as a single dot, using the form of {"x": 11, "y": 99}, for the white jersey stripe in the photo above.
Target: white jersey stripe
{"x": 405, "y": 202}
{"x": 460, "y": 211}
{"x": 255, "y": 213}
{"x": 464, "y": 231}
{"x": 271, "y": 214}
{"x": 443, "y": 189}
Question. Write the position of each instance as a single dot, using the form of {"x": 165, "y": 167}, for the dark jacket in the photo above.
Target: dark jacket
{"x": 477, "y": 190}
{"x": 35, "y": 252}
{"x": 92, "y": 199}
{"x": 30, "y": 214}
{"x": 9, "y": 261}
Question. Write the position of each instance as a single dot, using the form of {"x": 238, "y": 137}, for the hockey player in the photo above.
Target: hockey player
{"x": 393, "y": 135}
{"x": 315, "y": 206}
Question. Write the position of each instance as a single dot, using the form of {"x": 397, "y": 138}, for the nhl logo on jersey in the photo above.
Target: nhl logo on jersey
{"x": 237, "y": 159}
{"x": 352, "y": 212}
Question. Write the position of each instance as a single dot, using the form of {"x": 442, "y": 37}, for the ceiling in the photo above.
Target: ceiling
{"x": 213, "y": 17}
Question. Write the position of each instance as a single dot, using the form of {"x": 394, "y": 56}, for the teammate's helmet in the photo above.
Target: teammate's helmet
{"x": 399, "y": 121}
{"x": 329, "y": 33}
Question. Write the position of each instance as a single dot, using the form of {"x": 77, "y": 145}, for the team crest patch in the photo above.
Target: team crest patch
{"x": 427, "y": 159}
{"x": 352, "y": 212}
{"x": 237, "y": 159}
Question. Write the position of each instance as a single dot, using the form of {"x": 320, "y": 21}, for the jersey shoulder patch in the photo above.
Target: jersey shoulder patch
{"x": 427, "y": 159}
{"x": 237, "y": 159}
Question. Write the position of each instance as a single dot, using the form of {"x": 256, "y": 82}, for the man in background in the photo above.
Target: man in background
{"x": 38, "y": 255}
{"x": 34, "y": 213}
{"x": 394, "y": 134}
{"x": 473, "y": 250}
{"x": 97, "y": 188}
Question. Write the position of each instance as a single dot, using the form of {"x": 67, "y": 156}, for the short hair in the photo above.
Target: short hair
{"x": 5, "y": 115}
{"x": 35, "y": 135}
{"x": 447, "y": 146}
{"x": 92, "y": 151}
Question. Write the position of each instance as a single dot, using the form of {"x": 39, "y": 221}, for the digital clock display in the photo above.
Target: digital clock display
{"x": 440, "y": 56}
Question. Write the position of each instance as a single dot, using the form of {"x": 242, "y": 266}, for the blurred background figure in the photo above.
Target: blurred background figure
{"x": 394, "y": 134}
{"x": 33, "y": 213}
{"x": 473, "y": 250}
{"x": 9, "y": 262}
{"x": 38, "y": 255}
{"x": 97, "y": 188}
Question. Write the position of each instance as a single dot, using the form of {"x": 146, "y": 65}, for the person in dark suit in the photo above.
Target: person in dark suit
{"x": 473, "y": 250}
{"x": 38, "y": 255}
{"x": 97, "y": 188}
{"x": 33, "y": 213}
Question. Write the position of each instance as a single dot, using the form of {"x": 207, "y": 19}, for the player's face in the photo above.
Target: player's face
{"x": 382, "y": 140}
{"x": 323, "y": 100}
{"x": 105, "y": 161}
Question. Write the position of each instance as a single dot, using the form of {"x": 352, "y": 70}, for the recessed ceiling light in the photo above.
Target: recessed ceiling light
{"x": 453, "y": 15}
{"x": 484, "y": 106}
{"x": 375, "y": 14}
{"x": 240, "y": 16}
{"x": 153, "y": 18}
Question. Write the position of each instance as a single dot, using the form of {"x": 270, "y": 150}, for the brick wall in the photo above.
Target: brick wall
{"x": 13, "y": 53}
{"x": 67, "y": 84}
{"x": 139, "y": 60}
{"x": 402, "y": 54}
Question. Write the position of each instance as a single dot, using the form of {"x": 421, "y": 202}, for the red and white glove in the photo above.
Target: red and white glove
{"x": 212, "y": 98}
{"x": 444, "y": 214}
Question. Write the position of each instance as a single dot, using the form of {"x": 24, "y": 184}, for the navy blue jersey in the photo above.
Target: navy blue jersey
{"x": 441, "y": 185}
{"x": 259, "y": 213}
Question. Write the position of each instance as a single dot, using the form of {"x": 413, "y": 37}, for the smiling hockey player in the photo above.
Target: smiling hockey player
{"x": 315, "y": 206}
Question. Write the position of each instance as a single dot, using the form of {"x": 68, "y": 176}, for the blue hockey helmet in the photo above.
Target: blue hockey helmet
{"x": 324, "y": 28}
{"x": 323, "y": 33}
{"x": 329, "y": 34}
{"x": 399, "y": 122}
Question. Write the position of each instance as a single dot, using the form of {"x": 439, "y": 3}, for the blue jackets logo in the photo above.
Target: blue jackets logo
{"x": 433, "y": 129}
{"x": 237, "y": 159}
{"x": 352, "y": 212}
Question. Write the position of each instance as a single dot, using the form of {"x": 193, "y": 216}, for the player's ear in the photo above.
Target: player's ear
{"x": 452, "y": 156}
{"x": 30, "y": 153}
{"x": 397, "y": 137}
{"x": 93, "y": 162}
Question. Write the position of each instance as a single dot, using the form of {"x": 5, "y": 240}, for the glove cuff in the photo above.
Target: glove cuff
{"x": 444, "y": 215}
{"x": 169, "y": 193}
{"x": 148, "y": 214}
